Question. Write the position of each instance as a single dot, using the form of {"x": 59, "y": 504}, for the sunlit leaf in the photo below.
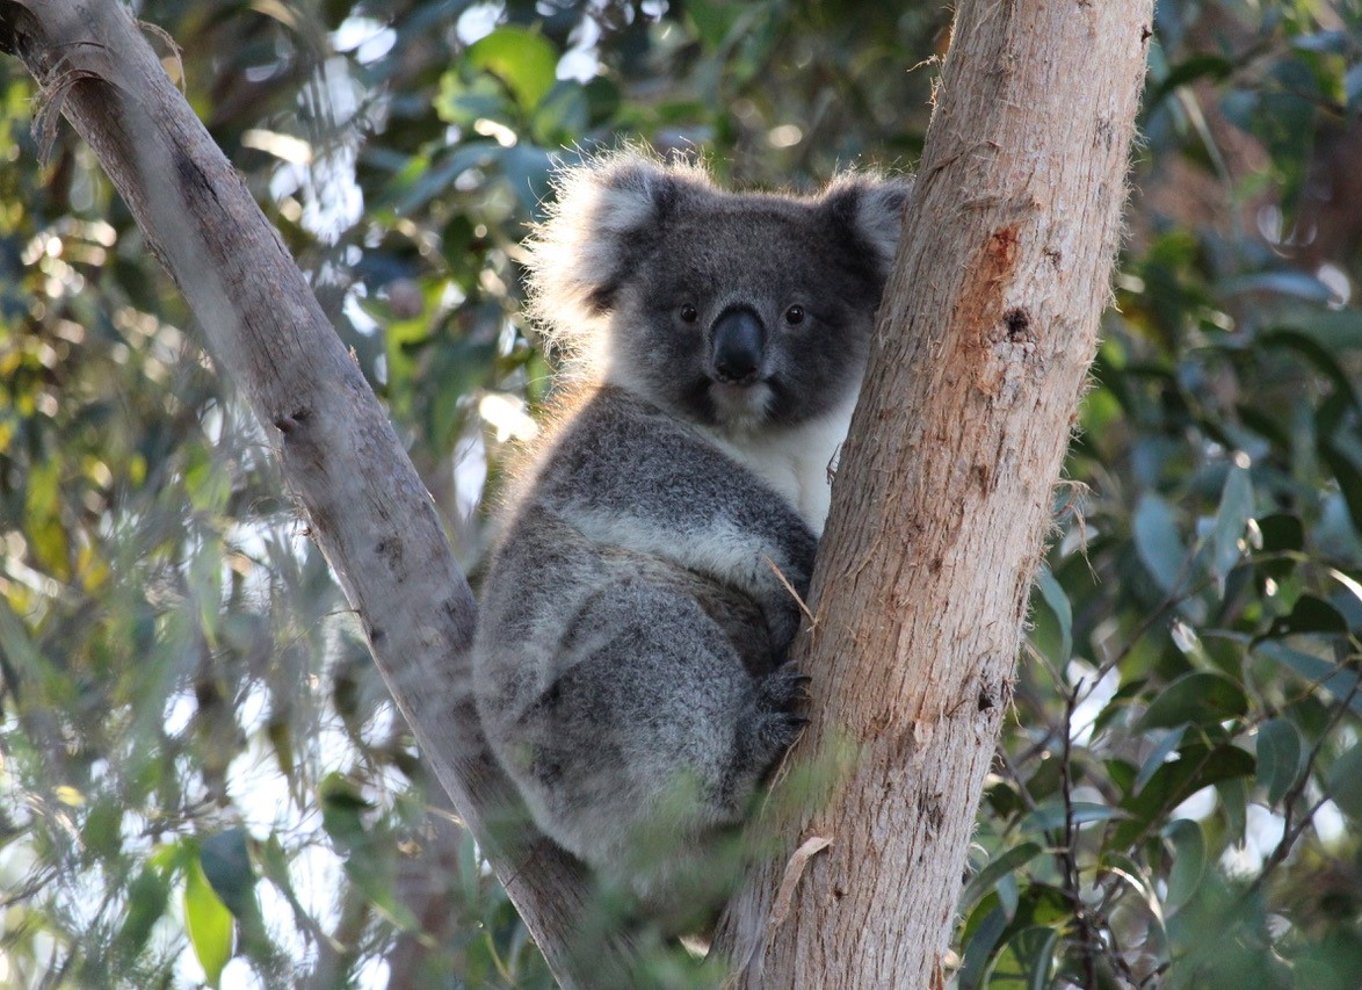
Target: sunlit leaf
{"x": 463, "y": 103}
{"x": 523, "y": 59}
{"x": 208, "y": 923}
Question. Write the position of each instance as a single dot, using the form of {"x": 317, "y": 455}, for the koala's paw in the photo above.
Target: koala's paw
{"x": 778, "y": 724}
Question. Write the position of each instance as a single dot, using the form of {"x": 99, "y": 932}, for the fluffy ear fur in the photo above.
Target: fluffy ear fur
{"x": 870, "y": 208}
{"x": 604, "y": 214}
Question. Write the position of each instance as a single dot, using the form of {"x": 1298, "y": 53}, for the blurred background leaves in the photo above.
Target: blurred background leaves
{"x": 202, "y": 779}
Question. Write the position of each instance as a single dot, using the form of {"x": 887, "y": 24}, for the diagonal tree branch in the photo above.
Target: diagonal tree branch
{"x": 368, "y": 511}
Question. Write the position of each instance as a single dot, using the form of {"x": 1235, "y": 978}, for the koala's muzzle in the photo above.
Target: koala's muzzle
{"x": 737, "y": 345}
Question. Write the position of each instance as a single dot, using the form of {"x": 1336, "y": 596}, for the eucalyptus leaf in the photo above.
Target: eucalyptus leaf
{"x": 226, "y": 865}
{"x": 1058, "y": 602}
{"x": 208, "y": 922}
{"x": 1236, "y": 509}
{"x": 1158, "y": 756}
{"x": 1198, "y": 698}
{"x": 1052, "y": 815}
{"x": 1158, "y": 542}
{"x": 1198, "y": 766}
{"x": 1188, "y": 863}
{"x": 1336, "y": 679}
{"x": 1281, "y": 757}
{"x": 523, "y": 59}
{"x": 1345, "y": 782}
{"x": 1007, "y": 862}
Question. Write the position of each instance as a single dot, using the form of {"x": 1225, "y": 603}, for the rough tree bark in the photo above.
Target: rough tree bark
{"x": 943, "y": 496}
{"x": 341, "y": 460}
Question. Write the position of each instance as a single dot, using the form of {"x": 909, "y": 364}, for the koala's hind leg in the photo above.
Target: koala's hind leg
{"x": 652, "y": 731}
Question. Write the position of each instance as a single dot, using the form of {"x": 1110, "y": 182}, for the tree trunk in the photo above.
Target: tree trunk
{"x": 341, "y": 459}
{"x": 943, "y": 498}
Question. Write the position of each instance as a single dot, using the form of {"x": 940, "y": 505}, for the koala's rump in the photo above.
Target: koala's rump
{"x": 624, "y": 686}
{"x": 630, "y": 621}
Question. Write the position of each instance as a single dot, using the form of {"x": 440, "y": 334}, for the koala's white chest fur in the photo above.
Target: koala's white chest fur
{"x": 796, "y": 461}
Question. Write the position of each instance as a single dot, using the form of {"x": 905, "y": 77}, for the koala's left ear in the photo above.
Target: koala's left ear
{"x": 870, "y": 209}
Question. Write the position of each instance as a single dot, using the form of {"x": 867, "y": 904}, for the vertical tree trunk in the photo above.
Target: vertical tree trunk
{"x": 944, "y": 493}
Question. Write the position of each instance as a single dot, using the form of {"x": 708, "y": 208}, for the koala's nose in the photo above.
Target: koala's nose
{"x": 737, "y": 344}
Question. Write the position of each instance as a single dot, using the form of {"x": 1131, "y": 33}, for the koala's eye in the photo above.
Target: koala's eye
{"x": 689, "y": 314}
{"x": 794, "y": 315}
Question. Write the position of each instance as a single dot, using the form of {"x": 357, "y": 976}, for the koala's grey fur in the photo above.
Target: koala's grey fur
{"x": 631, "y": 646}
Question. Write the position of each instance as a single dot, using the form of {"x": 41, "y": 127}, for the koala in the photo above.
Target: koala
{"x": 630, "y": 656}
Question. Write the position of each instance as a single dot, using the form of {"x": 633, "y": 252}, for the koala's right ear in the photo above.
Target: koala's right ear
{"x": 870, "y": 208}
{"x": 607, "y": 210}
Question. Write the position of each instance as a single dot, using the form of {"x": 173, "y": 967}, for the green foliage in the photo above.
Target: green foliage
{"x": 201, "y": 778}
{"x": 1193, "y": 666}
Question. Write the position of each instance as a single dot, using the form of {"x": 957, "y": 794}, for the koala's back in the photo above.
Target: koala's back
{"x": 631, "y": 628}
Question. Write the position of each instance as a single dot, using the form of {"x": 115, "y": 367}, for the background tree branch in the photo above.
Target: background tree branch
{"x": 342, "y": 462}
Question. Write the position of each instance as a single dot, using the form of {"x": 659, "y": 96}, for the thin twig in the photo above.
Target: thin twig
{"x": 1291, "y": 832}
{"x": 1067, "y": 858}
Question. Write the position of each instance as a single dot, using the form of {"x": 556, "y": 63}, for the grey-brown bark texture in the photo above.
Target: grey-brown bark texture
{"x": 943, "y": 497}
{"x": 342, "y": 461}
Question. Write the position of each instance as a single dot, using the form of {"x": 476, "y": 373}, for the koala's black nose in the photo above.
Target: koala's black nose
{"x": 737, "y": 344}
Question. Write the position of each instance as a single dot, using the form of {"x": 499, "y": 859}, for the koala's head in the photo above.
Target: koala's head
{"x": 729, "y": 309}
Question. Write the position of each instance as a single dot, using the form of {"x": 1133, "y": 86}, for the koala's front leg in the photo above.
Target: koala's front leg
{"x": 767, "y": 556}
{"x": 782, "y": 606}
{"x": 780, "y": 553}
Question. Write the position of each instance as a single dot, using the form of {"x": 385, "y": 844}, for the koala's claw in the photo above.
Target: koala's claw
{"x": 777, "y": 725}
{"x": 783, "y": 688}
